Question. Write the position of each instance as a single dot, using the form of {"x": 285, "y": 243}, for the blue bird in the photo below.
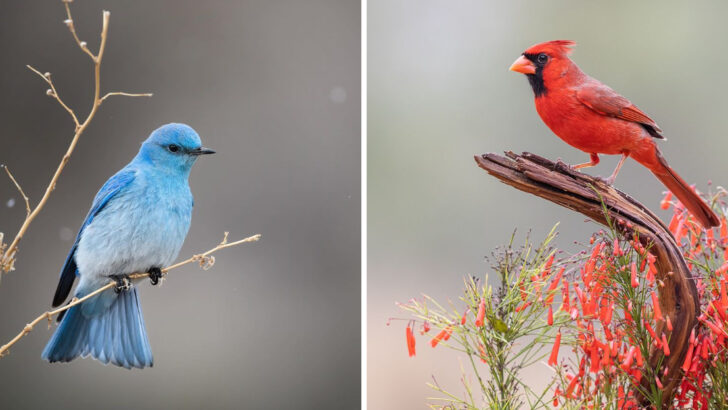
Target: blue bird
{"x": 137, "y": 223}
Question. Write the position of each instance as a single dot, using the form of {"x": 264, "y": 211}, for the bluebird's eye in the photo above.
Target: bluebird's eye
{"x": 173, "y": 148}
{"x": 542, "y": 58}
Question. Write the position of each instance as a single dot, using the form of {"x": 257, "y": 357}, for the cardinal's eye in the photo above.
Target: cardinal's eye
{"x": 542, "y": 58}
{"x": 173, "y": 148}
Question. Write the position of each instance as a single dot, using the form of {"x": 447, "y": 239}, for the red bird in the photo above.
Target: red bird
{"x": 592, "y": 117}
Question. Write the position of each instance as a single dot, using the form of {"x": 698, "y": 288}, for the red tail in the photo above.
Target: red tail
{"x": 699, "y": 209}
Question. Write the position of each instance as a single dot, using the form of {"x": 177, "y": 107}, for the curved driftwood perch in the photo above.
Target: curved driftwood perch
{"x": 560, "y": 184}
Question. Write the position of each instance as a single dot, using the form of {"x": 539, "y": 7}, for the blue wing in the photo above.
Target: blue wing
{"x": 69, "y": 272}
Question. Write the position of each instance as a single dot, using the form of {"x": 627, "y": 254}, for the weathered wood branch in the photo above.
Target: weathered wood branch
{"x": 558, "y": 183}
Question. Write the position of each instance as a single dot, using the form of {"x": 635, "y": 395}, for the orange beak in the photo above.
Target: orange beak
{"x": 523, "y": 65}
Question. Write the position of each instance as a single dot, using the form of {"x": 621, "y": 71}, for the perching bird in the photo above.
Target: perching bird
{"x": 592, "y": 117}
{"x": 137, "y": 223}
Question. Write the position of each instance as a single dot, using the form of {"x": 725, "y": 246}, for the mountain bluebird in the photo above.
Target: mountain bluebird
{"x": 137, "y": 223}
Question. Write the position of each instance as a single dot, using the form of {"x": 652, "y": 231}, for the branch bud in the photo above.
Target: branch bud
{"x": 82, "y": 44}
{"x": 49, "y": 92}
{"x": 47, "y": 75}
{"x": 68, "y": 22}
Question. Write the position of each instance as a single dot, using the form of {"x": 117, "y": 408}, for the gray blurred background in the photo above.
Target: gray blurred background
{"x": 274, "y": 87}
{"x": 440, "y": 92}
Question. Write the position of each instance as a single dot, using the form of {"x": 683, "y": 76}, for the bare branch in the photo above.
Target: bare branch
{"x": 8, "y": 257}
{"x": 69, "y": 23}
{"x": 75, "y": 301}
{"x": 124, "y": 94}
{"x": 53, "y": 93}
{"x": 17, "y": 185}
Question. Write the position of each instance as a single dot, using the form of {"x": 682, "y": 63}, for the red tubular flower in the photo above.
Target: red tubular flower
{"x": 479, "y": 320}
{"x": 715, "y": 328}
{"x": 635, "y": 283}
{"x": 547, "y": 267}
{"x": 570, "y": 387}
{"x": 656, "y": 307}
{"x": 682, "y": 230}
{"x": 636, "y": 376}
{"x": 608, "y": 334}
{"x": 464, "y": 319}
{"x": 448, "y": 332}
{"x": 481, "y": 349}
{"x": 550, "y": 319}
{"x": 537, "y": 286}
{"x": 557, "y": 393}
{"x": 627, "y": 362}
{"x": 665, "y": 346}
{"x": 669, "y": 323}
{"x": 594, "y": 359}
{"x": 650, "y": 330}
{"x": 522, "y": 288}
{"x": 674, "y": 222}
{"x": 565, "y": 297}
{"x": 628, "y": 316}
{"x": 425, "y": 327}
{"x": 616, "y": 250}
{"x": 523, "y": 306}
{"x": 555, "y": 350}
{"x": 688, "y": 359}
{"x": 723, "y": 267}
{"x": 704, "y": 350}
{"x": 659, "y": 383}
{"x": 665, "y": 203}
{"x": 552, "y": 287}
{"x": 620, "y": 397}
{"x": 443, "y": 335}
{"x": 410, "y": 340}
{"x": 652, "y": 271}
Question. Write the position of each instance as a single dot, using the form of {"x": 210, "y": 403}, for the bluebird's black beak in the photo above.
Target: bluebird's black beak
{"x": 201, "y": 151}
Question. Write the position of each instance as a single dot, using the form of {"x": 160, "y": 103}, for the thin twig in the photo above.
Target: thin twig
{"x": 203, "y": 259}
{"x": 7, "y": 259}
{"x": 69, "y": 24}
{"x": 125, "y": 95}
{"x": 22, "y": 193}
{"x": 53, "y": 93}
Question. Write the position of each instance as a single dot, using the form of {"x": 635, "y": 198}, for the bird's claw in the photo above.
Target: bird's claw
{"x": 122, "y": 283}
{"x": 609, "y": 181}
{"x": 155, "y": 274}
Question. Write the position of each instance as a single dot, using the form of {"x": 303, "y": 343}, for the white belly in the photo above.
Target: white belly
{"x": 137, "y": 230}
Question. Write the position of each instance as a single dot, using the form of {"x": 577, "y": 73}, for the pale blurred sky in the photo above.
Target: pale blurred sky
{"x": 440, "y": 92}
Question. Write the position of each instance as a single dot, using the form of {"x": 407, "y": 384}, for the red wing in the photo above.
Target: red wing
{"x": 606, "y": 101}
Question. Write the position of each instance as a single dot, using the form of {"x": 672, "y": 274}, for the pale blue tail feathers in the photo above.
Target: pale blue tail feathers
{"x": 116, "y": 335}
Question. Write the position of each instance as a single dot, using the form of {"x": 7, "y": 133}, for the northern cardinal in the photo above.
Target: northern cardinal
{"x": 592, "y": 117}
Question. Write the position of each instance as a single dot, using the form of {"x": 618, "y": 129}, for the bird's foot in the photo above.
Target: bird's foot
{"x": 122, "y": 283}
{"x": 155, "y": 274}
{"x": 609, "y": 181}
{"x": 561, "y": 165}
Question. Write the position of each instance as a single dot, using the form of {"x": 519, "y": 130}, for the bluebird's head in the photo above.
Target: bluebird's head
{"x": 174, "y": 147}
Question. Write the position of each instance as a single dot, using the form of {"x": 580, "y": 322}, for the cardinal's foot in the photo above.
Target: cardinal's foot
{"x": 154, "y": 275}
{"x": 122, "y": 282}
